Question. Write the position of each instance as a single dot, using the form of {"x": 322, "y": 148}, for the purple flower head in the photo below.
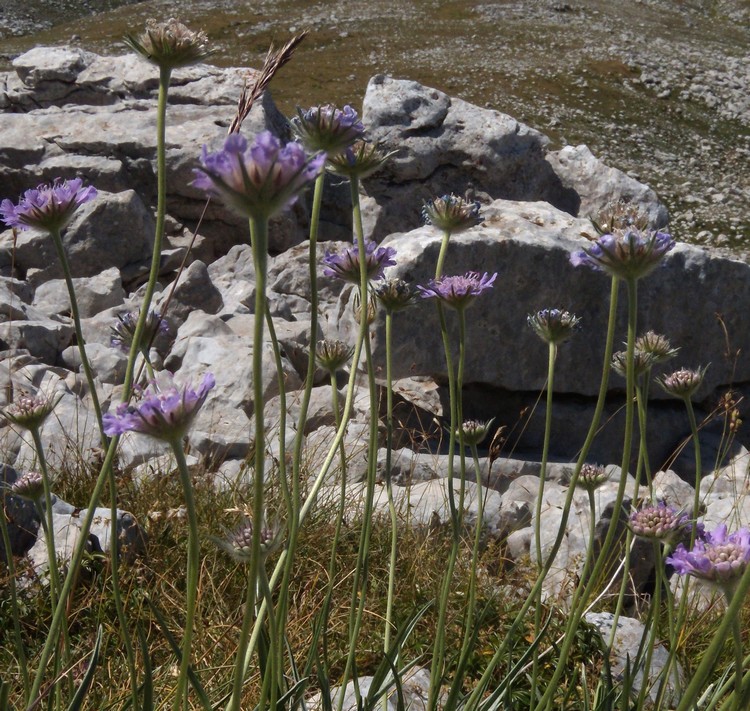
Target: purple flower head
{"x": 345, "y": 264}
{"x": 659, "y": 522}
{"x": 627, "y": 254}
{"x": 592, "y": 476}
{"x": 682, "y": 383}
{"x": 716, "y": 557}
{"x": 124, "y": 330}
{"x": 29, "y": 486}
{"x": 326, "y": 128}
{"x": 553, "y": 325}
{"x": 451, "y": 213}
{"x": 458, "y": 291}
{"x": 47, "y": 207}
{"x": 30, "y": 411}
{"x": 260, "y": 180}
{"x": 357, "y": 161}
{"x": 165, "y": 413}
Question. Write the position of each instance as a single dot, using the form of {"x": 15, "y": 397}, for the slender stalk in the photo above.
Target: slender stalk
{"x": 735, "y": 598}
{"x": 389, "y": 487}
{"x": 359, "y": 584}
{"x": 193, "y": 563}
{"x": 653, "y": 627}
{"x": 76, "y": 314}
{"x": 593, "y": 428}
{"x": 552, "y": 357}
{"x": 259, "y": 240}
{"x": 580, "y": 605}
{"x": 293, "y": 507}
{"x": 698, "y": 468}
{"x": 737, "y": 637}
{"x": 11, "y": 567}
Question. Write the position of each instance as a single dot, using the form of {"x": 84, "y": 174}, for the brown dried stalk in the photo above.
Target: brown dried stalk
{"x": 275, "y": 59}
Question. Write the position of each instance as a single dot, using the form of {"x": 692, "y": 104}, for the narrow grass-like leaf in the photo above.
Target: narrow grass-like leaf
{"x": 88, "y": 677}
{"x": 197, "y": 686}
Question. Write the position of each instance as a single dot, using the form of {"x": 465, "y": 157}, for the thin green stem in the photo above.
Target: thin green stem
{"x": 259, "y": 241}
{"x": 593, "y": 428}
{"x": 389, "y": 485}
{"x": 731, "y": 617}
{"x": 360, "y": 578}
{"x": 11, "y": 567}
{"x": 580, "y": 603}
{"x": 193, "y": 563}
{"x": 551, "y": 358}
{"x": 76, "y": 314}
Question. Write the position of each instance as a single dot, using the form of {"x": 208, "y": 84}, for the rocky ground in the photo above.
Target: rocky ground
{"x": 658, "y": 88}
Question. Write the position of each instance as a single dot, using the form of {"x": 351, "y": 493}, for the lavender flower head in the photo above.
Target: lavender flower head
{"x": 165, "y": 413}
{"x": 326, "y": 128}
{"x": 458, "y": 291}
{"x": 592, "y": 476}
{"x": 451, "y": 213}
{"x": 48, "y": 207}
{"x": 682, "y": 383}
{"x": 239, "y": 543}
{"x": 169, "y": 44}
{"x": 716, "y": 557}
{"x": 30, "y": 411}
{"x": 357, "y": 161}
{"x": 553, "y": 325}
{"x": 345, "y": 264}
{"x": 260, "y": 180}
{"x": 659, "y": 522}
{"x": 474, "y": 431}
{"x": 627, "y": 254}
{"x": 28, "y": 486}
{"x": 124, "y": 330}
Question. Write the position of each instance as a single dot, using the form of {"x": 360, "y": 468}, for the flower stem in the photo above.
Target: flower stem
{"x": 552, "y": 357}
{"x": 193, "y": 562}
{"x": 593, "y": 428}
{"x": 76, "y": 314}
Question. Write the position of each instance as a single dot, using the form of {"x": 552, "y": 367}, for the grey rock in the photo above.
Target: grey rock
{"x": 20, "y": 515}
{"x": 624, "y": 651}
{"x": 93, "y": 294}
{"x": 194, "y": 290}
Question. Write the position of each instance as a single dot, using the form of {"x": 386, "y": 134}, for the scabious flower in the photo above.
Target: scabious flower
{"x": 357, "y": 161}
{"x": 592, "y": 476}
{"x": 165, "y": 413}
{"x": 28, "y": 486}
{"x": 619, "y": 215}
{"x": 628, "y": 254}
{"x": 124, "y": 330}
{"x": 642, "y": 361}
{"x": 716, "y": 557}
{"x": 30, "y": 411}
{"x": 659, "y": 522}
{"x": 458, "y": 291}
{"x": 345, "y": 265}
{"x": 682, "y": 383}
{"x": 260, "y": 180}
{"x": 474, "y": 431}
{"x": 239, "y": 543}
{"x": 169, "y": 44}
{"x": 372, "y": 308}
{"x": 656, "y": 345}
{"x": 327, "y": 128}
{"x": 451, "y": 213}
{"x": 395, "y": 294}
{"x": 48, "y": 207}
{"x": 553, "y": 325}
{"x": 332, "y": 355}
